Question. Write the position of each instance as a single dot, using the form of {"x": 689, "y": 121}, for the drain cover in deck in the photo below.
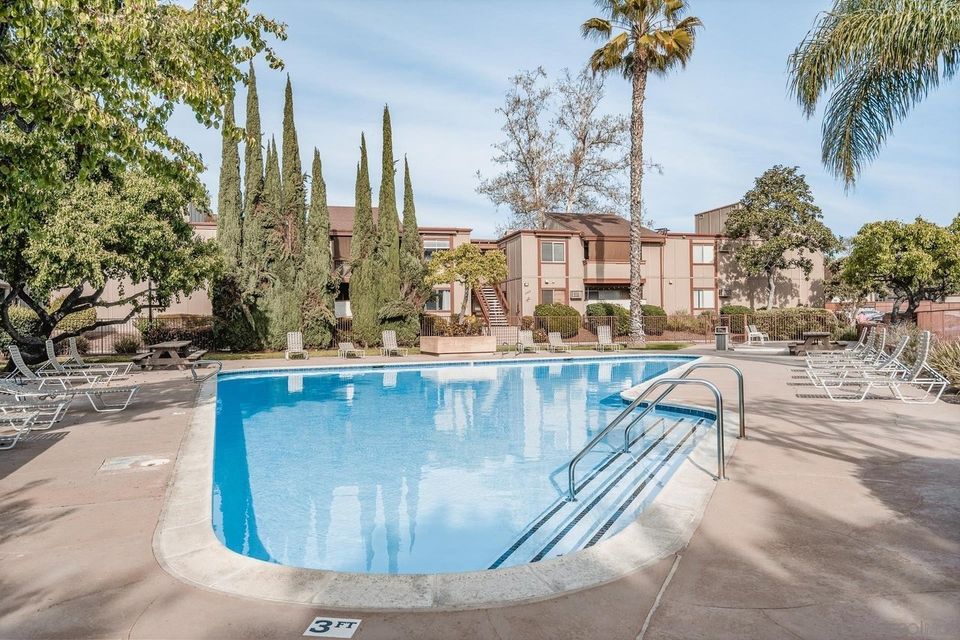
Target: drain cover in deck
{"x": 132, "y": 463}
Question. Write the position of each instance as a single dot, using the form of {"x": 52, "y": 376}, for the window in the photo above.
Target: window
{"x": 703, "y": 299}
{"x": 552, "y": 251}
{"x": 703, "y": 254}
{"x": 609, "y": 293}
{"x": 432, "y": 246}
{"x": 549, "y": 296}
{"x": 439, "y": 300}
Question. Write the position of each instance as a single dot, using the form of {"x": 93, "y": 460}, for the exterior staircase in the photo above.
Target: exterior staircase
{"x": 491, "y": 304}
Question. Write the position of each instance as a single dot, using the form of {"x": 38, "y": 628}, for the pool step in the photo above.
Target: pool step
{"x": 612, "y": 489}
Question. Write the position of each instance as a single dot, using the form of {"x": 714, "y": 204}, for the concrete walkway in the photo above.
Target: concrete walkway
{"x": 838, "y": 521}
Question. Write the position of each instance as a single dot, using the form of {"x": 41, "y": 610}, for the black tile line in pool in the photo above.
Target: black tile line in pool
{"x": 570, "y": 525}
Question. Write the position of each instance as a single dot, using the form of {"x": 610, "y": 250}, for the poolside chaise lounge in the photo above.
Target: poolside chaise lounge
{"x": 872, "y": 352}
{"x": 556, "y": 343}
{"x": 755, "y": 334}
{"x": 65, "y": 380}
{"x": 390, "y": 347}
{"x": 48, "y": 412}
{"x": 13, "y": 426}
{"x": 347, "y": 349}
{"x": 105, "y": 375}
{"x": 76, "y": 360}
{"x": 525, "y": 342}
{"x": 94, "y": 394}
{"x": 605, "y": 339}
{"x": 853, "y": 386}
{"x": 886, "y": 363}
{"x": 295, "y": 346}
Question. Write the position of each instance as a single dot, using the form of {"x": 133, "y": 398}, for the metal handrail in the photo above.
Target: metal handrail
{"x": 691, "y": 369}
{"x": 673, "y": 382}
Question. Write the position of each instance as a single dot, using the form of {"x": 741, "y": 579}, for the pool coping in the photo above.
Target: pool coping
{"x": 187, "y": 548}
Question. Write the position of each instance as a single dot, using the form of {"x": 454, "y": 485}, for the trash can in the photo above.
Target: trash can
{"x": 722, "y": 335}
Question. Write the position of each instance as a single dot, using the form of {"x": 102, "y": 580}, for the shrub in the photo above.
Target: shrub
{"x": 126, "y": 345}
{"x": 526, "y": 322}
{"x": 402, "y": 317}
{"x": 74, "y": 321}
{"x": 687, "y": 323}
{"x": 563, "y": 318}
{"x": 652, "y": 310}
{"x": 25, "y": 321}
{"x": 83, "y": 345}
{"x": 607, "y": 309}
{"x": 656, "y": 326}
{"x": 735, "y": 310}
{"x": 440, "y": 326}
{"x": 945, "y": 358}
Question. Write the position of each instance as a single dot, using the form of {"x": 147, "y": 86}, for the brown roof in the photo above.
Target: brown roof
{"x": 597, "y": 224}
{"x": 341, "y": 220}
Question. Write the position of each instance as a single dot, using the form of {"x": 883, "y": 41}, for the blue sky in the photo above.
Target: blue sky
{"x": 443, "y": 66}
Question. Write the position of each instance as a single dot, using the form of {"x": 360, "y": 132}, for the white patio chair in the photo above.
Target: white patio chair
{"x": 48, "y": 412}
{"x": 854, "y": 386}
{"x": 40, "y": 378}
{"x": 525, "y": 342}
{"x": 390, "y": 347}
{"x": 76, "y": 360}
{"x": 95, "y": 395}
{"x": 105, "y": 374}
{"x": 556, "y": 343}
{"x": 347, "y": 349}
{"x": 295, "y": 346}
{"x": 754, "y": 334}
{"x": 17, "y": 425}
{"x": 605, "y": 339}
{"x": 886, "y": 363}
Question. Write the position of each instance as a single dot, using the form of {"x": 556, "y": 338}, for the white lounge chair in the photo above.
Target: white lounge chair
{"x": 390, "y": 347}
{"x": 754, "y": 334}
{"x": 41, "y": 378}
{"x": 853, "y": 386}
{"x": 347, "y": 349}
{"x": 48, "y": 412}
{"x": 76, "y": 360}
{"x": 94, "y": 394}
{"x": 605, "y": 339}
{"x": 556, "y": 343}
{"x": 885, "y": 364}
{"x": 13, "y": 426}
{"x": 525, "y": 342}
{"x": 105, "y": 374}
{"x": 295, "y": 346}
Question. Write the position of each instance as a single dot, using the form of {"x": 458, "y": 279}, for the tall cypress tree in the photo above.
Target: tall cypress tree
{"x": 293, "y": 188}
{"x": 280, "y": 303}
{"x": 413, "y": 266}
{"x": 229, "y": 200}
{"x": 316, "y": 284}
{"x": 363, "y": 268}
{"x": 252, "y": 253}
{"x": 388, "y": 232}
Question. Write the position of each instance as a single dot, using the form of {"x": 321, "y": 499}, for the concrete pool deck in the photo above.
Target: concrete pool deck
{"x": 837, "y": 521}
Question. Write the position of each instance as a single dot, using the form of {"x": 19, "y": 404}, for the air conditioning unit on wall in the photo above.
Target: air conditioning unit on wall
{"x": 723, "y": 293}
{"x": 576, "y": 295}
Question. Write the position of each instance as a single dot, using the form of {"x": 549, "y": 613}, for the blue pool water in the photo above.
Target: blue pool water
{"x": 406, "y": 470}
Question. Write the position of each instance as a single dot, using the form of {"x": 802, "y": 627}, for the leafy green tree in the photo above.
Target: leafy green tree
{"x": 254, "y": 238}
{"x": 131, "y": 229}
{"x": 779, "y": 225}
{"x": 912, "y": 262}
{"x": 79, "y": 102}
{"x": 388, "y": 232}
{"x": 293, "y": 189}
{"x": 469, "y": 266}
{"x": 279, "y": 302}
{"x": 363, "y": 275}
{"x": 413, "y": 267}
{"x": 876, "y": 59}
{"x": 229, "y": 202}
{"x": 640, "y": 37}
{"x": 316, "y": 281}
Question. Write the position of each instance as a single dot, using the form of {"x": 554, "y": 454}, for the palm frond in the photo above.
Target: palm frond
{"x": 596, "y": 28}
{"x": 610, "y": 56}
{"x": 895, "y": 44}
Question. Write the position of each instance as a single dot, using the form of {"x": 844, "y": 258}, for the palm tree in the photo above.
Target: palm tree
{"x": 640, "y": 37}
{"x": 879, "y": 58}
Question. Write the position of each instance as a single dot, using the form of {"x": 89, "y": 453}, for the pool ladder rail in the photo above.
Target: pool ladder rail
{"x": 650, "y": 406}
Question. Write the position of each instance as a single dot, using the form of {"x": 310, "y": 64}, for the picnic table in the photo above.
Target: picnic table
{"x": 813, "y": 341}
{"x": 173, "y": 353}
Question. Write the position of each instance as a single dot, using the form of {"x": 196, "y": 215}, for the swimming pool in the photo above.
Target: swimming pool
{"x": 433, "y": 468}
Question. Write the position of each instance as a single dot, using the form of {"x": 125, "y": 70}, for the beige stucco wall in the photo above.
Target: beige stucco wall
{"x": 793, "y": 288}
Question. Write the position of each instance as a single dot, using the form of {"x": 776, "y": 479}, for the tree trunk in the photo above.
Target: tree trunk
{"x": 463, "y": 304}
{"x": 771, "y": 288}
{"x": 636, "y": 202}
